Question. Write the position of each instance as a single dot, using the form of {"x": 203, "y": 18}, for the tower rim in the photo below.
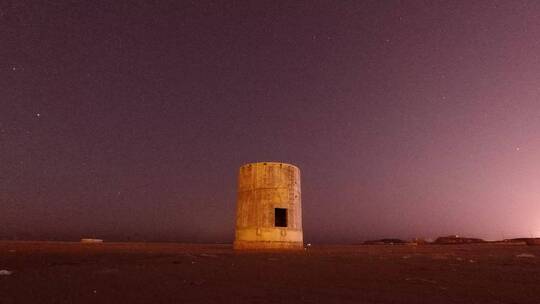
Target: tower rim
{"x": 259, "y": 163}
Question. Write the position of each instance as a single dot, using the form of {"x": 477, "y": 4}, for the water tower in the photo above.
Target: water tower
{"x": 269, "y": 207}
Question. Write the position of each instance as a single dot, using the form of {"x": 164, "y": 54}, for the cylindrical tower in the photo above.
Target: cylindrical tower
{"x": 269, "y": 207}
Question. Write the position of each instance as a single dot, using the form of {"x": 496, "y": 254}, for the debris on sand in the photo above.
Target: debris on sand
{"x": 525, "y": 255}
{"x": 108, "y": 271}
{"x": 439, "y": 257}
{"x": 208, "y": 255}
{"x": 91, "y": 241}
{"x": 421, "y": 280}
{"x": 5, "y": 272}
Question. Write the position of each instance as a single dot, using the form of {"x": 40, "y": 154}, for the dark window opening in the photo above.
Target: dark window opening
{"x": 280, "y": 217}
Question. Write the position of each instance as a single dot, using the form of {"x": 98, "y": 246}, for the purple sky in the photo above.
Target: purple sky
{"x": 130, "y": 119}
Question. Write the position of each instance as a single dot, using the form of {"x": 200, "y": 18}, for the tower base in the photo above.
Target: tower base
{"x": 270, "y": 245}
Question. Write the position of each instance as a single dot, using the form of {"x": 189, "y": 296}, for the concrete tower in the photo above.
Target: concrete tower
{"x": 269, "y": 208}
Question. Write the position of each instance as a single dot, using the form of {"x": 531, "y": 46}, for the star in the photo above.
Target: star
{"x": 38, "y": 115}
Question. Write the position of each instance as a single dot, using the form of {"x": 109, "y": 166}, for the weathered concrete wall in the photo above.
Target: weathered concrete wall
{"x": 262, "y": 187}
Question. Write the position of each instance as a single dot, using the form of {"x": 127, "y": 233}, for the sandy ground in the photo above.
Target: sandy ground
{"x": 53, "y": 272}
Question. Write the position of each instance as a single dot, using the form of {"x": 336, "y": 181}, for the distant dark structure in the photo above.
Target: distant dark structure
{"x": 532, "y": 241}
{"x": 516, "y": 240}
{"x": 456, "y": 239}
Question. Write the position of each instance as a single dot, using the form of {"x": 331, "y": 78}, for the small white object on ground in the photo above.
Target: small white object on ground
{"x": 5, "y": 272}
{"x": 525, "y": 255}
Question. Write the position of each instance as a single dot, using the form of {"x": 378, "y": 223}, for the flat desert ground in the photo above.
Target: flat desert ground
{"x": 63, "y": 272}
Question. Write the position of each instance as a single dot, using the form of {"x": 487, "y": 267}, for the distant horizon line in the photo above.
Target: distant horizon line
{"x": 117, "y": 240}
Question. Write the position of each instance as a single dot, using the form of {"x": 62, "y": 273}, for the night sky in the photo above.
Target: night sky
{"x": 128, "y": 120}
